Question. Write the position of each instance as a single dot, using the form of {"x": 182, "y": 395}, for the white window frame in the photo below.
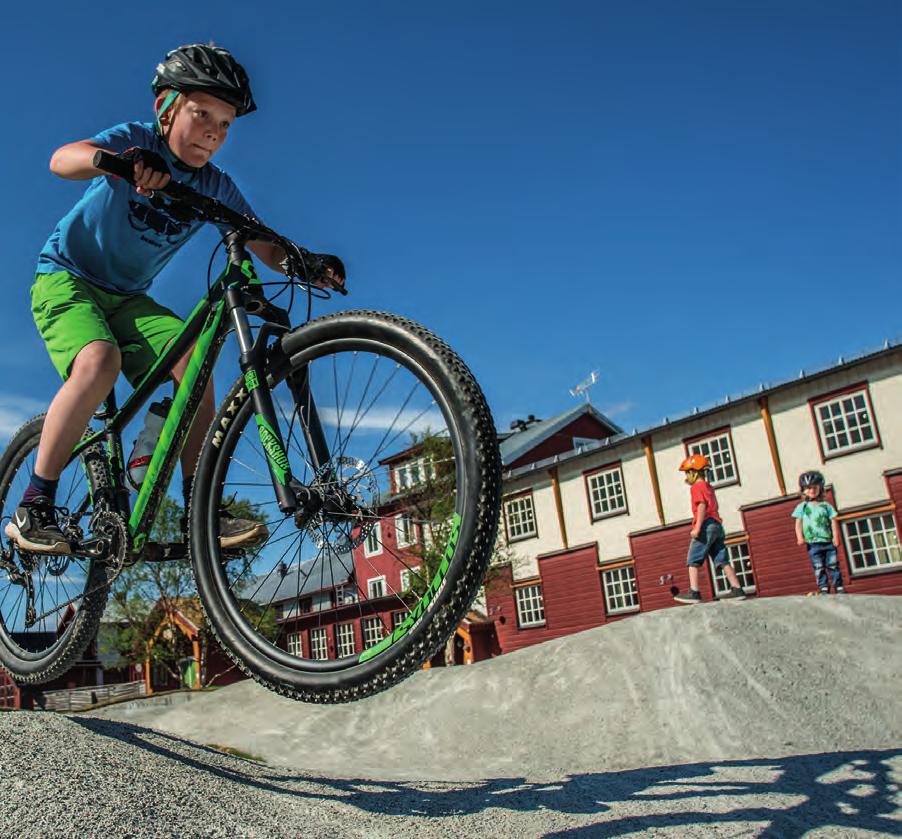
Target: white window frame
{"x": 345, "y": 595}
{"x": 319, "y": 644}
{"x": 373, "y": 631}
{"x": 345, "y": 642}
{"x": 621, "y": 595}
{"x": 295, "y": 644}
{"x": 397, "y": 618}
{"x": 741, "y": 560}
{"x": 724, "y": 470}
{"x": 404, "y": 524}
{"x": 404, "y": 473}
{"x": 530, "y": 605}
{"x": 372, "y": 545}
{"x": 371, "y": 584}
{"x": 606, "y": 487}
{"x": 520, "y": 511}
{"x": 880, "y": 540}
{"x": 849, "y": 414}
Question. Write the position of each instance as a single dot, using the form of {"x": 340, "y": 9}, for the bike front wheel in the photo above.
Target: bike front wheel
{"x": 388, "y": 432}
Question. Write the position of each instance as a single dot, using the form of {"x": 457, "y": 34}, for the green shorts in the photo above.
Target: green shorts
{"x": 70, "y": 313}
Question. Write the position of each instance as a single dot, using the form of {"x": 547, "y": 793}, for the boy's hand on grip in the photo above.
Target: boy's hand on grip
{"x": 150, "y": 170}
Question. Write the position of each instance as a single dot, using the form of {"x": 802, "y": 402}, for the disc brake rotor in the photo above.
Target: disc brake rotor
{"x": 350, "y": 484}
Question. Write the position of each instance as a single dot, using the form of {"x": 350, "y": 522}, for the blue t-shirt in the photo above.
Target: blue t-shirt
{"x": 113, "y": 237}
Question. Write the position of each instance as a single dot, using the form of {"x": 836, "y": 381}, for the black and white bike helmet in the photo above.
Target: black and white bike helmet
{"x": 810, "y": 479}
{"x": 209, "y": 69}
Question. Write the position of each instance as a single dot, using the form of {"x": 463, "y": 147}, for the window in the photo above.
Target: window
{"x": 620, "y": 594}
{"x": 520, "y": 518}
{"x": 345, "y": 595}
{"x": 606, "y": 495}
{"x": 872, "y": 543}
{"x": 413, "y": 472}
{"x": 845, "y": 423}
{"x": 373, "y": 543}
{"x": 742, "y": 565}
{"x": 375, "y": 587}
{"x": 406, "y": 574}
{"x": 373, "y": 632}
{"x": 530, "y": 606}
{"x": 294, "y": 644}
{"x": 718, "y": 449}
{"x": 397, "y": 618}
{"x": 319, "y": 647}
{"x": 404, "y": 530}
{"x": 344, "y": 639}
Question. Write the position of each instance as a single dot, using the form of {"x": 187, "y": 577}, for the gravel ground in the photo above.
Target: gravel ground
{"x": 775, "y": 718}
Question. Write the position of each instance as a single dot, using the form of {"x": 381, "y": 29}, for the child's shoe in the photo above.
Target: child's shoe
{"x": 733, "y": 594}
{"x": 689, "y": 596}
{"x": 34, "y": 528}
{"x": 840, "y": 590}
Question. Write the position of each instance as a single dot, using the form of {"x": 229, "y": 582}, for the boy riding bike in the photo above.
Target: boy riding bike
{"x": 89, "y": 297}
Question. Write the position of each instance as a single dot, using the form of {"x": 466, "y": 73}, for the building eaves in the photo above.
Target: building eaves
{"x": 889, "y": 347}
{"x": 514, "y": 446}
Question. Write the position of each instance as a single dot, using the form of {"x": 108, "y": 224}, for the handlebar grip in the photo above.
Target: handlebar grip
{"x": 112, "y": 165}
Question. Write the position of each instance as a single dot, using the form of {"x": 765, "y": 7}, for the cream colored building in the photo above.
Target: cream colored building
{"x": 843, "y": 421}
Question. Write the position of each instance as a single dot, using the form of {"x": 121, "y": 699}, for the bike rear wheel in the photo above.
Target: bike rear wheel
{"x": 50, "y": 606}
{"x": 342, "y": 602}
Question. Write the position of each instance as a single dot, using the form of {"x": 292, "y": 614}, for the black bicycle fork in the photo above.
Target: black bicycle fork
{"x": 253, "y": 365}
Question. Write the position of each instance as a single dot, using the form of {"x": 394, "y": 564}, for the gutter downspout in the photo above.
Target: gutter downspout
{"x": 772, "y": 442}
{"x": 558, "y": 504}
{"x": 653, "y": 474}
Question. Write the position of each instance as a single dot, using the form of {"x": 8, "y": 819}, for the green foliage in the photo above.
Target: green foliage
{"x": 146, "y": 592}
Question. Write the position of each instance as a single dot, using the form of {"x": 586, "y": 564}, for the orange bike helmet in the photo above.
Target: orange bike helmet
{"x": 695, "y": 462}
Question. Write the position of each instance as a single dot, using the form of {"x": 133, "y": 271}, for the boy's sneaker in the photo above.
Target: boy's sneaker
{"x": 824, "y": 591}
{"x": 234, "y": 532}
{"x": 733, "y": 594}
{"x": 34, "y": 528}
{"x": 840, "y": 590}
{"x": 689, "y": 596}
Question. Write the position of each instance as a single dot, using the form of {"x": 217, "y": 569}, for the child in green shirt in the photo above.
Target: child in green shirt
{"x": 816, "y": 527}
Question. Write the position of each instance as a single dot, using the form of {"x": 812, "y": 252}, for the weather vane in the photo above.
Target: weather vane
{"x": 582, "y": 389}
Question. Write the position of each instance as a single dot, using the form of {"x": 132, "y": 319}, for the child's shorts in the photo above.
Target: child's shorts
{"x": 710, "y": 542}
{"x": 70, "y": 313}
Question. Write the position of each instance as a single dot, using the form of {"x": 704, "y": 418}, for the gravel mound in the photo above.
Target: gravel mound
{"x": 775, "y": 718}
{"x": 710, "y": 682}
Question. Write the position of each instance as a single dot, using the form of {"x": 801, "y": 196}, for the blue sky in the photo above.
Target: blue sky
{"x": 693, "y": 197}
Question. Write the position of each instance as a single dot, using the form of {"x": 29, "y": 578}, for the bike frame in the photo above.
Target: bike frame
{"x": 225, "y": 307}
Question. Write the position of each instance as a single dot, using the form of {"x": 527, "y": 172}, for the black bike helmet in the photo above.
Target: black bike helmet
{"x": 810, "y": 479}
{"x": 209, "y": 69}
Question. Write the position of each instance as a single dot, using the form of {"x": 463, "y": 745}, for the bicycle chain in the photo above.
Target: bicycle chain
{"x": 114, "y": 527}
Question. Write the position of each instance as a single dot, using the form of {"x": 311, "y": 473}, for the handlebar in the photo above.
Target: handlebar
{"x": 302, "y": 264}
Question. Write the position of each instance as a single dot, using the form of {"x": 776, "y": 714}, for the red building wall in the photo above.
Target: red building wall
{"x": 562, "y": 441}
{"x": 780, "y": 565}
{"x": 660, "y": 563}
{"x": 571, "y": 587}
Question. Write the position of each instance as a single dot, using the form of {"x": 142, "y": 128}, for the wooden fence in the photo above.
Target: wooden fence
{"x": 77, "y": 698}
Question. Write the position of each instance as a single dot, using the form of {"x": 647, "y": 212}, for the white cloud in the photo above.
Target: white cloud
{"x": 618, "y": 408}
{"x": 15, "y": 410}
{"x": 381, "y": 419}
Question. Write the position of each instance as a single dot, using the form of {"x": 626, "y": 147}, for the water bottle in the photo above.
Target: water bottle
{"x": 139, "y": 459}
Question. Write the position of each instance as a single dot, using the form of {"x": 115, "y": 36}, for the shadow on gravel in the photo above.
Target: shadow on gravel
{"x": 850, "y": 790}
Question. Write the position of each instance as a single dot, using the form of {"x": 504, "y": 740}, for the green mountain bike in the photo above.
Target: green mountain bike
{"x": 321, "y": 434}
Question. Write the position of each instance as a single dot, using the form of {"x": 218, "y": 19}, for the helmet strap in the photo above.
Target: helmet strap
{"x": 167, "y": 104}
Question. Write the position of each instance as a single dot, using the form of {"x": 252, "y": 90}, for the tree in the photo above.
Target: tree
{"x": 147, "y": 593}
{"x": 431, "y": 503}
